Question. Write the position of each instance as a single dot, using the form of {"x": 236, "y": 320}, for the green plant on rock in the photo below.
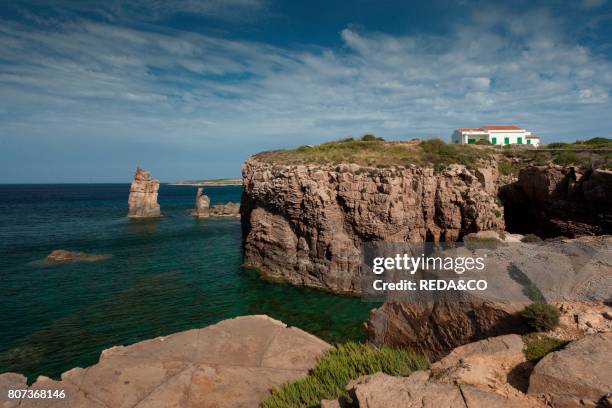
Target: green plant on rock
{"x": 337, "y": 367}
{"x": 537, "y": 345}
{"x": 541, "y": 316}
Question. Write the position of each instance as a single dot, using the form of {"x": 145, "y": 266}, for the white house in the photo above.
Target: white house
{"x": 496, "y": 135}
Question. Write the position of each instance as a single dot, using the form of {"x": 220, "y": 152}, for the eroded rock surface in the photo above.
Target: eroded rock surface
{"x": 234, "y": 363}
{"x": 305, "y": 223}
{"x": 143, "y": 196}
{"x": 578, "y": 375}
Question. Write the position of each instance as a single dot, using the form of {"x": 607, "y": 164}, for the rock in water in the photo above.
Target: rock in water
{"x": 143, "y": 196}
{"x": 61, "y": 255}
{"x": 204, "y": 210}
{"x": 202, "y": 204}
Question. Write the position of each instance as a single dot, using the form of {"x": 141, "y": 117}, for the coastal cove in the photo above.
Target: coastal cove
{"x": 161, "y": 276}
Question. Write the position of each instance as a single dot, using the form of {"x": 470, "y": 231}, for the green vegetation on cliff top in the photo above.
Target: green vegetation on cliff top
{"x": 337, "y": 367}
{"x": 375, "y": 152}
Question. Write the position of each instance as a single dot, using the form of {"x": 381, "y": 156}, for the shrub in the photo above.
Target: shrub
{"x": 505, "y": 167}
{"x": 483, "y": 142}
{"x": 371, "y": 138}
{"x": 557, "y": 145}
{"x": 531, "y": 238}
{"x": 541, "y": 316}
{"x": 340, "y": 365}
{"x": 537, "y": 345}
{"x": 566, "y": 158}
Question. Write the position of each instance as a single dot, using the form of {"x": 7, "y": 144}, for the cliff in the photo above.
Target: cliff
{"x": 143, "y": 196}
{"x": 305, "y": 223}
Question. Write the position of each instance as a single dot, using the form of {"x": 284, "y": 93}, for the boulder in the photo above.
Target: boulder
{"x": 578, "y": 375}
{"x": 143, "y": 196}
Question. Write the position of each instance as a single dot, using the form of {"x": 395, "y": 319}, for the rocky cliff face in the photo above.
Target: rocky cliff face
{"x": 305, "y": 223}
{"x": 555, "y": 200}
{"x": 143, "y": 196}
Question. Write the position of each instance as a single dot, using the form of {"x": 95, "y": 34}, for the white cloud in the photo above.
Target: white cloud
{"x": 85, "y": 80}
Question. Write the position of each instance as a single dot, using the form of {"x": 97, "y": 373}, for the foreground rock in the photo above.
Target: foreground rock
{"x": 143, "y": 196}
{"x": 579, "y": 375}
{"x": 61, "y": 255}
{"x": 556, "y": 200}
{"x": 305, "y": 224}
{"x": 234, "y": 363}
{"x": 477, "y": 375}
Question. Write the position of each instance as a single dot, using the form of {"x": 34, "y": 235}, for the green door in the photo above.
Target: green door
{"x": 493, "y": 140}
{"x": 506, "y": 140}
{"x": 528, "y": 141}
{"x": 519, "y": 140}
{"x": 471, "y": 141}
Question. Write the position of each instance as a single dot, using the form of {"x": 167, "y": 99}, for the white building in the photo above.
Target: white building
{"x": 497, "y": 135}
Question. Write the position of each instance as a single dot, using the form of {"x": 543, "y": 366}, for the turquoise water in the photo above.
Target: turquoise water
{"x": 162, "y": 276}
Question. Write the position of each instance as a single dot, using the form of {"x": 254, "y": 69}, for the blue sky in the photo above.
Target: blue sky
{"x": 189, "y": 89}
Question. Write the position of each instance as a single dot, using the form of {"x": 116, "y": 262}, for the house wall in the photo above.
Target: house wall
{"x": 497, "y": 137}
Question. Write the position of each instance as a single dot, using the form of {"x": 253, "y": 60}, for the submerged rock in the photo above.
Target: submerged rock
{"x": 143, "y": 196}
{"x": 61, "y": 255}
{"x": 234, "y": 363}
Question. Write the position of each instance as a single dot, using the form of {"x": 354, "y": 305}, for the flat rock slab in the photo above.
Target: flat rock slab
{"x": 234, "y": 363}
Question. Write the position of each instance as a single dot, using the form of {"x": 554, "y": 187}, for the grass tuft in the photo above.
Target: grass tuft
{"x": 537, "y": 345}
{"x": 340, "y": 365}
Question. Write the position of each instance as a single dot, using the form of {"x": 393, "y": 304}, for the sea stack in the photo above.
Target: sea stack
{"x": 143, "y": 196}
{"x": 202, "y": 204}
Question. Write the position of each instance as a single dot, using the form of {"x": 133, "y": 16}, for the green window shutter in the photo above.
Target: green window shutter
{"x": 493, "y": 140}
{"x": 528, "y": 141}
{"x": 519, "y": 140}
{"x": 471, "y": 141}
{"x": 506, "y": 140}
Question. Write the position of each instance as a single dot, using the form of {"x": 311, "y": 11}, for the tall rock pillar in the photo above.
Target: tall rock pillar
{"x": 143, "y": 196}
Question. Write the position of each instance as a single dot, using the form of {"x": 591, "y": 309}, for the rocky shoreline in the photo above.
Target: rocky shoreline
{"x": 234, "y": 363}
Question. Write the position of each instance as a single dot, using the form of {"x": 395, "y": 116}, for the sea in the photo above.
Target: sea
{"x": 161, "y": 276}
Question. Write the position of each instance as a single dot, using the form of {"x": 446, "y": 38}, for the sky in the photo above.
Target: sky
{"x": 189, "y": 89}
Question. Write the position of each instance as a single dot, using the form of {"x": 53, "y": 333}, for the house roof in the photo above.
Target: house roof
{"x": 501, "y": 127}
{"x": 469, "y": 130}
